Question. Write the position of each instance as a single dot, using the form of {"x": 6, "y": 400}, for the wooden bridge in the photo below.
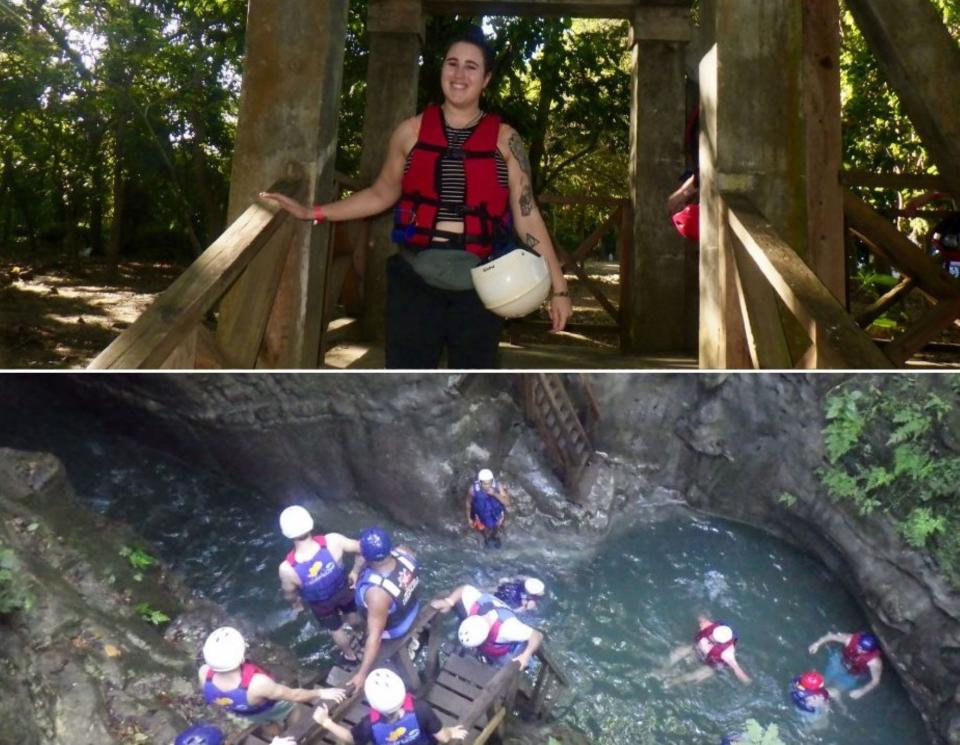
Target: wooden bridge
{"x": 777, "y": 206}
{"x": 461, "y": 690}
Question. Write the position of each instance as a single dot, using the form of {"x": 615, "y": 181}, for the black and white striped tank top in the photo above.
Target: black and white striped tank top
{"x": 452, "y": 178}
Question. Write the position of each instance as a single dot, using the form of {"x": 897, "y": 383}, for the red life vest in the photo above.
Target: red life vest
{"x": 687, "y": 222}
{"x": 486, "y": 202}
{"x": 714, "y": 655}
{"x": 855, "y": 659}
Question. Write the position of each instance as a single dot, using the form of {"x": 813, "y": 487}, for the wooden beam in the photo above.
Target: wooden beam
{"x": 843, "y": 343}
{"x": 916, "y": 181}
{"x": 173, "y": 315}
{"x": 931, "y": 324}
{"x": 761, "y": 315}
{"x": 590, "y": 242}
{"x": 566, "y": 261}
{"x": 884, "y": 238}
{"x": 582, "y": 8}
{"x": 658, "y": 23}
{"x": 885, "y": 301}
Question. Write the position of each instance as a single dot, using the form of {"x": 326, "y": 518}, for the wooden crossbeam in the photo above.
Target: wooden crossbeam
{"x": 150, "y": 340}
{"x": 591, "y": 241}
{"x": 883, "y": 239}
{"x": 766, "y": 340}
{"x": 930, "y": 325}
{"x": 842, "y": 342}
{"x": 573, "y": 266}
{"x": 885, "y": 301}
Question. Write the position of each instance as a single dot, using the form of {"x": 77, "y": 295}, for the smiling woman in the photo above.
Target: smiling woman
{"x": 460, "y": 184}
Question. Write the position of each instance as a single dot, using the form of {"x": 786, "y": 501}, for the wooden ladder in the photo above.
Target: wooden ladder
{"x": 548, "y": 404}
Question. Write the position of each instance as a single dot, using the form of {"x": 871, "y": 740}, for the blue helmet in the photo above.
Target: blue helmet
{"x": 200, "y": 734}
{"x": 375, "y": 544}
{"x": 868, "y": 642}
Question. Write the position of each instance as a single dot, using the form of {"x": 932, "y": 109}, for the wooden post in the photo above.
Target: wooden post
{"x": 288, "y": 114}
{"x": 826, "y": 253}
{"x": 395, "y": 29}
{"x": 654, "y": 320}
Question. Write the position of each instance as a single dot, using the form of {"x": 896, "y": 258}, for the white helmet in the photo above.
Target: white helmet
{"x": 514, "y": 284}
{"x": 384, "y": 690}
{"x": 533, "y": 586}
{"x": 224, "y": 649}
{"x": 722, "y": 634}
{"x": 485, "y": 475}
{"x": 473, "y": 631}
{"x": 295, "y": 521}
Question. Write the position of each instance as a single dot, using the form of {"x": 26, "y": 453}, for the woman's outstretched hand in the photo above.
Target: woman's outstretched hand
{"x": 292, "y": 206}
{"x": 560, "y": 311}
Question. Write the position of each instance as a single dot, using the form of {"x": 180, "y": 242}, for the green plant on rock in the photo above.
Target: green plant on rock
{"x": 138, "y": 560}
{"x": 887, "y": 452}
{"x": 14, "y": 595}
{"x": 150, "y": 614}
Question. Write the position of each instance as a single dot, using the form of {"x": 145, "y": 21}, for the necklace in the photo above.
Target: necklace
{"x": 463, "y": 126}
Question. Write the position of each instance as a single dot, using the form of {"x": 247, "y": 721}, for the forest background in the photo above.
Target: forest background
{"x": 118, "y": 117}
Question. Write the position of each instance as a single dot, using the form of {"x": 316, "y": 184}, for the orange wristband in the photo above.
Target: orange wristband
{"x": 317, "y": 215}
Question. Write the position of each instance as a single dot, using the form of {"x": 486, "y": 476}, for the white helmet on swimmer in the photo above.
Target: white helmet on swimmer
{"x": 533, "y": 586}
{"x": 473, "y": 631}
{"x": 224, "y": 649}
{"x": 384, "y": 690}
{"x": 514, "y": 284}
{"x": 722, "y": 634}
{"x": 295, "y": 521}
{"x": 485, "y": 475}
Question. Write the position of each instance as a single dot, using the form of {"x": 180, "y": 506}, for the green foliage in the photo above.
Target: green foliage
{"x": 150, "y": 614}
{"x": 138, "y": 559}
{"x": 887, "y": 452}
{"x": 757, "y": 735}
{"x": 14, "y": 595}
{"x": 787, "y": 499}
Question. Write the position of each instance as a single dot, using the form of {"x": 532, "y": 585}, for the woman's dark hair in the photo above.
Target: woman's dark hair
{"x": 474, "y": 35}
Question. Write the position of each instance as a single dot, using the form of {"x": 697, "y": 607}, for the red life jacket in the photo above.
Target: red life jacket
{"x": 855, "y": 659}
{"x": 687, "y": 222}
{"x": 486, "y": 202}
{"x": 714, "y": 655}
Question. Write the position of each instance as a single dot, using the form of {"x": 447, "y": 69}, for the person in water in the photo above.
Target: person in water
{"x": 860, "y": 660}
{"x": 487, "y": 504}
{"x": 520, "y": 593}
{"x": 460, "y": 184}
{"x": 395, "y": 718}
{"x": 386, "y": 594}
{"x": 245, "y": 689}
{"x": 490, "y": 628}
{"x": 313, "y": 573}
{"x": 715, "y": 646}
{"x": 809, "y": 695}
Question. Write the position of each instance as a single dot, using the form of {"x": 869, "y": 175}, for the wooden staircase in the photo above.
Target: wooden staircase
{"x": 565, "y": 428}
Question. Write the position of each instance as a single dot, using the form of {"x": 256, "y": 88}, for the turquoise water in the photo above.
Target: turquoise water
{"x": 613, "y": 614}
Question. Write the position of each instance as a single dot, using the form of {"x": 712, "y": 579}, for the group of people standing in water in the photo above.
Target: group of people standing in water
{"x": 379, "y": 593}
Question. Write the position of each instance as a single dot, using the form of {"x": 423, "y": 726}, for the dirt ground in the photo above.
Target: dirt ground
{"x": 56, "y": 315}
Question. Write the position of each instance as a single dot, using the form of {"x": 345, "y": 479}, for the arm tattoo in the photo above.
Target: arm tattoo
{"x": 531, "y": 241}
{"x": 526, "y": 200}
{"x": 516, "y": 147}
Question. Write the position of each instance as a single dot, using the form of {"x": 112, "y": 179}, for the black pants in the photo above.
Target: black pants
{"x": 422, "y": 321}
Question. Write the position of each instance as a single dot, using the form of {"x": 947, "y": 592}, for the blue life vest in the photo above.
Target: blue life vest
{"x": 485, "y": 506}
{"x": 405, "y": 731}
{"x": 235, "y": 700}
{"x": 321, "y": 576}
{"x": 806, "y": 700}
{"x": 401, "y": 584}
{"x": 511, "y": 593}
{"x": 491, "y": 647}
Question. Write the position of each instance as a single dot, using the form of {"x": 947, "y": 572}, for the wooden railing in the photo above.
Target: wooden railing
{"x": 172, "y": 328}
{"x": 920, "y": 272}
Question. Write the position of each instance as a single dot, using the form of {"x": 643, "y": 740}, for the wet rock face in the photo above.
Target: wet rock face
{"x": 81, "y": 667}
